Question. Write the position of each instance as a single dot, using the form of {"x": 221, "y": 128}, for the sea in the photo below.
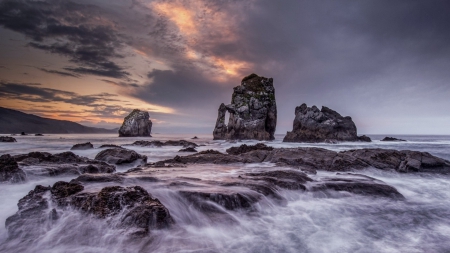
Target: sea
{"x": 305, "y": 223}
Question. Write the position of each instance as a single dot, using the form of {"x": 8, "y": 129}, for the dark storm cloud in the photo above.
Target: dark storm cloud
{"x": 56, "y": 72}
{"x": 69, "y": 29}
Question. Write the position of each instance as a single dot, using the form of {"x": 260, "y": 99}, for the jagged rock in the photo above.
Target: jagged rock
{"x": 314, "y": 125}
{"x": 137, "y": 123}
{"x": 82, "y": 146}
{"x": 244, "y": 148}
{"x": 10, "y": 171}
{"x": 189, "y": 149}
{"x": 119, "y": 156}
{"x": 391, "y": 139}
{"x": 131, "y": 207}
{"x": 46, "y": 164}
{"x": 253, "y": 111}
{"x": 7, "y": 139}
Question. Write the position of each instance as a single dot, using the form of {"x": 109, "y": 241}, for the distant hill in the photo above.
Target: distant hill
{"x": 15, "y": 122}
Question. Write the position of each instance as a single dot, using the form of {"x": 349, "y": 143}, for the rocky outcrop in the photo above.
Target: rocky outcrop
{"x": 244, "y": 148}
{"x": 123, "y": 207}
{"x": 119, "y": 156}
{"x": 253, "y": 111}
{"x": 46, "y": 164}
{"x": 82, "y": 146}
{"x": 10, "y": 171}
{"x": 189, "y": 149}
{"x": 183, "y": 143}
{"x": 7, "y": 139}
{"x": 325, "y": 125}
{"x": 137, "y": 123}
{"x": 391, "y": 139}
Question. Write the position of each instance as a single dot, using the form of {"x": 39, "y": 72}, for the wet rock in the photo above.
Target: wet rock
{"x": 314, "y": 125}
{"x": 46, "y": 164}
{"x": 244, "y": 148}
{"x": 82, "y": 146}
{"x": 287, "y": 179}
{"x": 98, "y": 178}
{"x": 194, "y": 138}
{"x": 119, "y": 156}
{"x": 364, "y": 138}
{"x": 227, "y": 199}
{"x": 7, "y": 139}
{"x": 38, "y": 135}
{"x": 10, "y": 171}
{"x": 253, "y": 111}
{"x": 137, "y": 123}
{"x": 182, "y": 143}
{"x": 110, "y": 146}
{"x": 391, "y": 139}
{"x": 189, "y": 149}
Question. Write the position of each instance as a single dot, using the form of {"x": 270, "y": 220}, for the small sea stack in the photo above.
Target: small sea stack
{"x": 137, "y": 123}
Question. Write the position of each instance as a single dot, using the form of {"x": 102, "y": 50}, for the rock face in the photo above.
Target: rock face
{"x": 326, "y": 125}
{"x": 82, "y": 146}
{"x": 137, "y": 123}
{"x": 46, "y": 164}
{"x": 10, "y": 171}
{"x": 391, "y": 139}
{"x": 253, "y": 111}
{"x": 7, "y": 139}
{"x": 130, "y": 207}
{"x": 119, "y": 156}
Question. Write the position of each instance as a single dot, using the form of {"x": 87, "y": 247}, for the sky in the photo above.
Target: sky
{"x": 384, "y": 63}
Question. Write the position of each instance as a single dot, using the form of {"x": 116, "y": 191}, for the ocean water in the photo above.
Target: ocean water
{"x": 305, "y": 223}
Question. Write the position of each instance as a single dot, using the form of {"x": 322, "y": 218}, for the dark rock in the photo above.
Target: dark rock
{"x": 7, "y": 139}
{"x": 82, "y": 146}
{"x": 391, "y": 139}
{"x": 287, "y": 179}
{"x": 314, "y": 125}
{"x": 194, "y": 138}
{"x": 137, "y": 123}
{"x": 110, "y": 146}
{"x": 23, "y": 133}
{"x": 38, "y": 135}
{"x": 244, "y": 148}
{"x": 364, "y": 138}
{"x": 10, "y": 171}
{"x": 46, "y": 164}
{"x": 228, "y": 200}
{"x": 148, "y": 143}
{"x": 182, "y": 143}
{"x": 119, "y": 156}
{"x": 98, "y": 178}
{"x": 253, "y": 111}
{"x": 190, "y": 149}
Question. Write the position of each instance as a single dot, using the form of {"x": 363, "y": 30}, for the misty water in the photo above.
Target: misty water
{"x": 306, "y": 222}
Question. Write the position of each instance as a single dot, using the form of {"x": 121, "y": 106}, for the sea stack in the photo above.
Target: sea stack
{"x": 253, "y": 111}
{"x": 325, "y": 125}
{"x": 137, "y": 123}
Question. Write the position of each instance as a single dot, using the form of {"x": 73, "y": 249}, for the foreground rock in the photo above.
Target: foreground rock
{"x": 325, "y": 125}
{"x": 82, "y": 146}
{"x": 7, "y": 139}
{"x": 253, "y": 111}
{"x": 137, "y": 123}
{"x": 10, "y": 171}
{"x": 119, "y": 156}
{"x": 391, "y": 139}
{"x": 311, "y": 159}
{"x": 130, "y": 208}
{"x": 46, "y": 164}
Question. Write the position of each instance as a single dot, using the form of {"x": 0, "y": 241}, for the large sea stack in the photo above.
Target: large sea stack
{"x": 325, "y": 125}
{"x": 137, "y": 123}
{"x": 253, "y": 111}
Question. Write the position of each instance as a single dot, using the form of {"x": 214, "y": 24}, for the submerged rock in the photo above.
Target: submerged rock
{"x": 325, "y": 125}
{"x": 119, "y": 156}
{"x": 110, "y": 146}
{"x": 10, "y": 171}
{"x": 46, "y": 164}
{"x": 7, "y": 139}
{"x": 189, "y": 149}
{"x": 253, "y": 111}
{"x": 182, "y": 143}
{"x": 137, "y": 123}
{"x": 391, "y": 139}
{"x": 82, "y": 146}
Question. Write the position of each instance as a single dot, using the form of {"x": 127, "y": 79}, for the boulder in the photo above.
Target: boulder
{"x": 391, "y": 139}
{"x": 38, "y": 135}
{"x": 46, "y": 164}
{"x": 244, "y": 148}
{"x": 189, "y": 149}
{"x": 10, "y": 171}
{"x": 137, "y": 123}
{"x": 253, "y": 111}
{"x": 82, "y": 146}
{"x": 119, "y": 156}
{"x": 110, "y": 146}
{"x": 7, "y": 139}
{"x": 325, "y": 125}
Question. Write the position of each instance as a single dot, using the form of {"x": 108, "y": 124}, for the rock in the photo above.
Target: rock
{"x": 364, "y": 138}
{"x": 7, "y": 139}
{"x": 38, "y": 135}
{"x": 123, "y": 207}
{"x": 119, "y": 156}
{"x": 189, "y": 149}
{"x": 46, "y": 164}
{"x": 10, "y": 171}
{"x": 110, "y": 146}
{"x": 194, "y": 138}
{"x": 82, "y": 146}
{"x": 229, "y": 200}
{"x": 23, "y": 133}
{"x": 253, "y": 111}
{"x": 287, "y": 179}
{"x": 391, "y": 139}
{"x": 244, "y": 148}
{"x": 97, "y": 178}
{"x": 137, "y": 123}
{"x": 182, "y": 143}
{"x": 314, "y": 125}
